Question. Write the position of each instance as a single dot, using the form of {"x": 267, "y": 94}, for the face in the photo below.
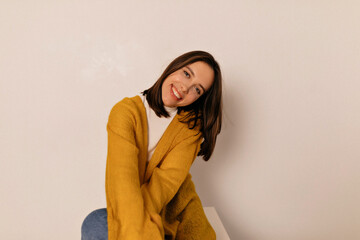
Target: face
{"x": 186, "y": 85}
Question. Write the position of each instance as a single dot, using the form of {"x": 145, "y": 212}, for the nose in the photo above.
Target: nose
{"x": 185, "y": 88}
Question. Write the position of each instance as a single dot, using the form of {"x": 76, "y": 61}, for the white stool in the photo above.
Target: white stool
{"x": 216, "y": 223}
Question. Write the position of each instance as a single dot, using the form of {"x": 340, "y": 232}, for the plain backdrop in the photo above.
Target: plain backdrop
{"x": 286, "y": 165}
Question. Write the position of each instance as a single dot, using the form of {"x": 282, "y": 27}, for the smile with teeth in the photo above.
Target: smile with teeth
{"x": 177, "y": 95}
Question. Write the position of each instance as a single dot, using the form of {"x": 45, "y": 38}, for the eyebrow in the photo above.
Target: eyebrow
{"x": 202, "y": 88}
{"x": 191, "y": 71}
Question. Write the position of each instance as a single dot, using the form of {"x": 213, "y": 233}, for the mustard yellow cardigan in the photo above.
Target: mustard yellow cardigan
{"x": 155, "y": 200}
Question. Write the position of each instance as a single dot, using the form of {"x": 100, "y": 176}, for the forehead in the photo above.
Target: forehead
{"x": 203, "y": 73}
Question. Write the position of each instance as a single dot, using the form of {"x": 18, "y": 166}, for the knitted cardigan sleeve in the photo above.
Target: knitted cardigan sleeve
{"x": 127, "y": 216}
{"x": 167, "y": 178}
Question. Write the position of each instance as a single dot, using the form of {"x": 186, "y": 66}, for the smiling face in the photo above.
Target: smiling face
{"x": 186, "y": 85}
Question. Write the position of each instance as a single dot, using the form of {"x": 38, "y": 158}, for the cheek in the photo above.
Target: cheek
{"x": 176, "y": 77}
{"x": 191, "y": 99}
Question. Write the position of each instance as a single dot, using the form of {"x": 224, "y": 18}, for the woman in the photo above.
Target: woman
{"x": 153, "y": 140}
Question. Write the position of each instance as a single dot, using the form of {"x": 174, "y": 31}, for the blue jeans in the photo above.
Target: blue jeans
{"x": 95, "y": 226}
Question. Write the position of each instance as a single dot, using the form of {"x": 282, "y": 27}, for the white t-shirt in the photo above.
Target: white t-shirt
{"x": 156, "y": 125}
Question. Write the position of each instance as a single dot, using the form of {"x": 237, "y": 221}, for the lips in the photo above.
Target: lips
{"x": 176, "y": 93}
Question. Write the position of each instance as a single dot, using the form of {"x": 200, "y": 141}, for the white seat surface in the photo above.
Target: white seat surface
{"x": 216, "y": 223}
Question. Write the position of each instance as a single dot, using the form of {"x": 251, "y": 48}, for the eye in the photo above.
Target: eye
{"x": 198, "y": 91}
{"x": 186, "y": 74}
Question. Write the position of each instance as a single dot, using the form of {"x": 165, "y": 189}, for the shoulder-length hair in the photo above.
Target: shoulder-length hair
{"x": 205, "y": 112}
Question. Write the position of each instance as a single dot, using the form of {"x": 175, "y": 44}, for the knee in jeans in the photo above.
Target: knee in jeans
{"x": 94, "y": 225}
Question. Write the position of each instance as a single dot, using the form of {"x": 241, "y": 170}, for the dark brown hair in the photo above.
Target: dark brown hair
{"x": 205, "y": 112}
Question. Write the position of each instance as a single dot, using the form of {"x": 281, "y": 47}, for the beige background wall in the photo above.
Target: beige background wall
{"x": 286, "y": 166}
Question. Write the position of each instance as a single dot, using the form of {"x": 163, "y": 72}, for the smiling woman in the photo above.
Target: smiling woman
{"x": 153, "y": 139}
{"x": 184, "y": 86}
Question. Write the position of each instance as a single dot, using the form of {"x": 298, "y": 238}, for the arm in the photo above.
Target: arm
{"x": 127, "y": 216}
{"x": 168, "y": 177}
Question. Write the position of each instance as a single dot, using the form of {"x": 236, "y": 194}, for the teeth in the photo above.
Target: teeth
{"x": 176, "y": 94}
